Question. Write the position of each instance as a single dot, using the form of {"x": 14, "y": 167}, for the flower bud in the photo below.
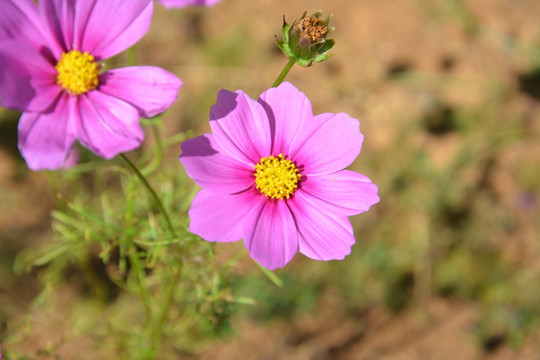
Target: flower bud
{"x": 305, "y": 40}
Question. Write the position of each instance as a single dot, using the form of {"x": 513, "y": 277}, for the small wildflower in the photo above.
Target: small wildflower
{"x": 305, "y": 40}
{"x": 272, "y": 174}
{"x": 50, "y": 55}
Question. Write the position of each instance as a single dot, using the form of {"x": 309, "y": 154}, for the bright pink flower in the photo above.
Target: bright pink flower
{"x": 185, "y": 3}
{"x": 272, "y": 174}
{"x": 49, "y": 69}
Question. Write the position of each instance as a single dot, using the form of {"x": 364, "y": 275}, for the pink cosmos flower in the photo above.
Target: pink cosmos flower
{"x": 272, "y": 174}
{"x": 50, "y": 70}
{"x": 185, "y": 3}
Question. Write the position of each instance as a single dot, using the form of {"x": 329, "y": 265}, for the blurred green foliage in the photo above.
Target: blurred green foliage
{"x": 143, "y": 292}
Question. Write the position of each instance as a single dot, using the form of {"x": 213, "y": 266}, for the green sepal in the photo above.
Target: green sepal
{"x": 304, "y": 62}
{"x": 322, "y": 57}
{"x": 285, "y": 30}
{"x": 304, "y": 50}
{"x": 326, "y": 46}
{"x": 284, "y": 46}
{"x": 154, "y": 121}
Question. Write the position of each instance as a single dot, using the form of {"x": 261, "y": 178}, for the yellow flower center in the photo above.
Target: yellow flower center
{"x": 77, "y": 72}
{"x": 277, "y": 177}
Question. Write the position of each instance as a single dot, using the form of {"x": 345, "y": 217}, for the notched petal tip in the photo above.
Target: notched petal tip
{"x": 272, "y": 236}
{"x": 199, "y": 146}
{"x": 226, "y": 102}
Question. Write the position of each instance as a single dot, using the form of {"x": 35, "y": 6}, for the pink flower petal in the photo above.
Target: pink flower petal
{"x": 212, "y": 170}
{"x": 332, "y": 147}
{"x": 27, "y": 80}
{"x": 240, "y": 126}
{"x": 19, "y": 20}
{"x": 149, "y": 89}
{"x": 109, "y": 27}
{"x": 108, "y": 126}
{"x": 221, "y": 218}
{"x": 83, "y": 12}
{"x": 323, "y": 236}
{"x": 59, "y": 16}
{"x": 46, "y": 139}
{"x": 184, "y": 3}
{"x": 323, "y": 143}
{"x": 271, "y": 237}
{"x": 351, "y": 193}
{"x": 72, "y": 159}
{"x": 290, "y": 114}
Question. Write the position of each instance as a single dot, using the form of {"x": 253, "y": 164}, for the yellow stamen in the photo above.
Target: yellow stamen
{"x": 77, "y": 72}
{"x": 277, "y": 177}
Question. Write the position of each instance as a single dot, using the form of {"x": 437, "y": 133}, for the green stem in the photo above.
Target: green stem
{"x": 139, "y": 272}
{"x": 157, "y": 331}
{"x": 132, "y": 56}
{"x": 284, "y": 73}
{"x": 141, "y": 177}
{"x": 150, "y": 168}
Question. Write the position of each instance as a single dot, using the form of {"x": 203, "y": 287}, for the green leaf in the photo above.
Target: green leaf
{"x": 270, "y": 275}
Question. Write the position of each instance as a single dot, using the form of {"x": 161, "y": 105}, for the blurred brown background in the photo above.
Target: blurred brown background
{"x": 447, "y": 266}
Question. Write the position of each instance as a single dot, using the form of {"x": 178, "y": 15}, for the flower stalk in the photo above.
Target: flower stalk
{"x": 150, "y": 190}
{"x": 157, "y": 328}
{"x": 284, "y": 73}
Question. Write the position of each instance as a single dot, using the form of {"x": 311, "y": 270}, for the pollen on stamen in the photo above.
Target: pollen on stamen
{"x": 78, "y": 72}
{"x": 313, "y": 28}
{"x": 277, "y": 177}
